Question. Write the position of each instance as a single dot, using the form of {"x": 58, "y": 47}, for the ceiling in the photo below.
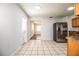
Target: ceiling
{"x": 47, "y": 9}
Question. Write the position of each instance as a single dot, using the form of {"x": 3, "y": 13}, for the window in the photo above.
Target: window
{"x": 38, "y": 27}
{"x": 24, "y": 25}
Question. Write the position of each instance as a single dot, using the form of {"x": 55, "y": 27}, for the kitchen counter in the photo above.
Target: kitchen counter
{"x": 73, "y": 37}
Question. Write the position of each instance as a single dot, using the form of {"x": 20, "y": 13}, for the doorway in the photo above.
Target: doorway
{"x": 36, "y": 31}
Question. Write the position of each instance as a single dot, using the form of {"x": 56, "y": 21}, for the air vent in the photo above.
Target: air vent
{"x": 50, "y": 17}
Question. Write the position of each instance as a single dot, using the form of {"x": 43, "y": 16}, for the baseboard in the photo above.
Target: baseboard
{"x": 47, "y": 39}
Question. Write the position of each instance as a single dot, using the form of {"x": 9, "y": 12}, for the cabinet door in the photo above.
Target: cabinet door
{"x": 77, "y": 22}
{"x": 74, "y": 22}
{"x": 76, "y": 10}
{"x": 73, "y": 49}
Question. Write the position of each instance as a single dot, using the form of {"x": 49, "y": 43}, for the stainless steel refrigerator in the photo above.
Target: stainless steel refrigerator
{"x": 60, "y": 31}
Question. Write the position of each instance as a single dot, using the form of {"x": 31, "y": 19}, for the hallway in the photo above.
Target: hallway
{"x": 42, "y": 48}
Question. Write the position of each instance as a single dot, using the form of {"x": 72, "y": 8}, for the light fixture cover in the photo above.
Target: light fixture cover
{"x": 37, "y": 7}
{"x": 70, "y": 8}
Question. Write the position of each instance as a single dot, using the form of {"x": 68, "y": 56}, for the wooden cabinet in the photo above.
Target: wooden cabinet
{"x": 73, "y": 47}
{"x": 73, "y": 33}
{"x": 75, "y": 22}
{"x": 78, "y": 22}
{"x": 76, "y": 10}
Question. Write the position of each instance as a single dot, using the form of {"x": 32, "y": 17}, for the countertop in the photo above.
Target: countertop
{"x": 73, "y": 37}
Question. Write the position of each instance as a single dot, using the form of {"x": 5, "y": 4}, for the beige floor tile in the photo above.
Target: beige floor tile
{"x": 21, "y": 52}
{"x": 40, "y": 49}
{"x": 51, "y": 49}
{"x": 53, "y": 53}
{"x": 47, "y": 52}
{"x": 47, "y": 55}
{"x": 30, "y": 48}
{"x": 20, "y": 55}
{"x": 35, "y": 48}
{"x": 26, "y": 55}
{"x": 34, "y": 52}
{"x": 40, "y": 52}
{"x": 45, "y": 48}
{"x": 24, "y": 49}
{"x": 34, "y": 55}
{"x": 28, "y": 52}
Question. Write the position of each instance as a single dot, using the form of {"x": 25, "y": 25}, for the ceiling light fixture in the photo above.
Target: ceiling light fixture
{"x": 37, "y": 7}
{"x": 70, "y": 8}
{"x": 50, "y": 17}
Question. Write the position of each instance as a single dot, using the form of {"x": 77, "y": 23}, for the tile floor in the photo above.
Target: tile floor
{"x": 42, "y": 48}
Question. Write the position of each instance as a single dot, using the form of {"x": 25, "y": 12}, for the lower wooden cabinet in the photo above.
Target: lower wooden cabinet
{"x": 73, "y": 47}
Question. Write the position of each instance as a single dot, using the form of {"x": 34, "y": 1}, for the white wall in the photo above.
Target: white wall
{"x": 11, "y": 36}
{"x": 29, "y": 29}
{"x": 47, "y": 26}
{"x": 47, "y": 29}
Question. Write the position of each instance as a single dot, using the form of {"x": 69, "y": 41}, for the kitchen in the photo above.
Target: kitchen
{"x": 73, "y": 39}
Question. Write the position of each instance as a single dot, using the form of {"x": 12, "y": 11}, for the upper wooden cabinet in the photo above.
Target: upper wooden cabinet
{"x": 76, "y": 10}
